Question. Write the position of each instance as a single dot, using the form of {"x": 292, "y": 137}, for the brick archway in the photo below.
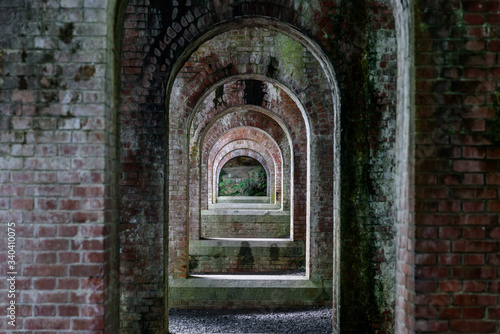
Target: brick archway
{"x": 313, "y": 110}
{"x": 246, "y": 152}
{"x": 242, "y": 116}
{"x": 274, "y": 160}
{"x": 84, "y": 161}
{"x": 229, "y": 151}
{"x": 188, "y": 105}
{"x": 282, "y": 121}
{"x": 154, "y": 82}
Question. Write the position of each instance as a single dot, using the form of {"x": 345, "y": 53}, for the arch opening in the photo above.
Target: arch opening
{"x": 282, "y": 103}
{"x": 243, "y": 176}
{"x": 176, "y": 188}
{"x": 179, "y": 190}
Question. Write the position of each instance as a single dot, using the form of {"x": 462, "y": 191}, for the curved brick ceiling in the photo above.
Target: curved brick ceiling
{"x": 241, "y": 118}
{"x": 218, "y": 76}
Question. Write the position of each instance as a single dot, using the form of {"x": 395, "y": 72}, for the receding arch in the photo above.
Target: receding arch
{"x": 206, "y": 144}
{"x": 263, "y": 22}
{"x": 247, "y": 136}
{"x": 318, "y": 39}
{"x": 332, "y": 131}
{"x": 261, "y": 154}
{"x": 174, "y": 146}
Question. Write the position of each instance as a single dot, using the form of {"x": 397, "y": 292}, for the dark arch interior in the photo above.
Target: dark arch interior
{"x": 243, "y": 176}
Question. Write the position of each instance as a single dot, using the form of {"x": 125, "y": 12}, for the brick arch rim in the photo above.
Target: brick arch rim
{"x": 205, "y": 154}
{"x": 253, "y": 108}
{"x": 252, "y": 128}
{"x": 264, "y": 79}
{"x": 234, "y": 143}
{"x": 258, "y": 21}
{"x": 299, "y": 105}
{"x": 404, "y": 12}
{"x": 249, "y": 139}
{"x": 216, "y": 169}
{"x": 268, "y": 173}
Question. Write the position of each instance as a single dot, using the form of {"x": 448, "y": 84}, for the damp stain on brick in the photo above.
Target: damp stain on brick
{"x": 254, "y": 92}
{"x": 48, "y": 82}
{"x": 47, "y": 58}
{"x": 66, "y": 33}
{"x": 494, "y": 133}
{"x": 85, "y": 73}
{"x": 359, "y": 306}
{"x": 274, "y": 252}
{"x": 50, "y": 97}
{"x": 23, "y": 84}
{"x": 272, "y": 70}
{"x": 193, "y": 262}
{"x": 291, "y": 53}
{"x": 219, "y": 97}
{"x": 245, "y": 256}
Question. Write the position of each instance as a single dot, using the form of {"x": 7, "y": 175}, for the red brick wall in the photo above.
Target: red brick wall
{"x": 58, "y": 163}
{"x": 456, "y": 171}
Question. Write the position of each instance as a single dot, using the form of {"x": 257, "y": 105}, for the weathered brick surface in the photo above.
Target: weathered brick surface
{"x": 456, "y": 192}
{"x": 242, "y": 229}
{"x": 244, "y": 257}
{"x": 58, "y": 161}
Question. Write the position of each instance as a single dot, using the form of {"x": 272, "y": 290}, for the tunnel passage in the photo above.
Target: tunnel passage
{"x": 276, "y": 78}
{"x": 248, "y": 107}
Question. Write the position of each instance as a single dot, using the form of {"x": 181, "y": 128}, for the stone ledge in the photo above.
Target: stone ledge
{"x": 243, "y": 199}
{"x": 244, "y": 206}
{"x": 234, "y": 291}
{"x": 245, "y": 224}
{"x": 223, "y": 256}
{"x": 236, "y": 242}
{"x": 226, "y": 214}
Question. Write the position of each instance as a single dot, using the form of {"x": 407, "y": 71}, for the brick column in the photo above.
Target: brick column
{"x": 56, "y": 166}
{"x": 457, "y": 171}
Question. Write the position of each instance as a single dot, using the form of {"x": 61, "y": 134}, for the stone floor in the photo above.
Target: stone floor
{"x": 291, "y": 321}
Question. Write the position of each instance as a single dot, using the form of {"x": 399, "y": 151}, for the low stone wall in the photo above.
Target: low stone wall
{"x": 265, "y": 294}
{"x": 245, "y": 224}
{"x": 243, "y": 199}
{"x": 234, "y": 256}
